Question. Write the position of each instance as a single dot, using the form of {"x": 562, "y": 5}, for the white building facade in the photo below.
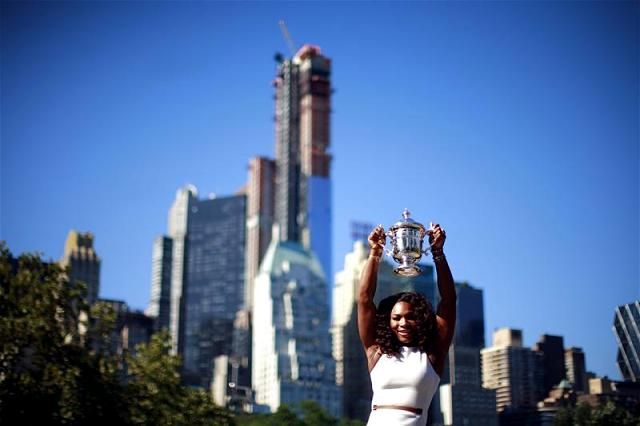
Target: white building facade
{"x": 291, "y": 356}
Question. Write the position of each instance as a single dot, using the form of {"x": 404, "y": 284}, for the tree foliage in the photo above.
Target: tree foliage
{"x": 156, "y": 395}
{"x": 608, "y": 414}
{"x": 57, "y": 365}
{"x": 307, "y": 413}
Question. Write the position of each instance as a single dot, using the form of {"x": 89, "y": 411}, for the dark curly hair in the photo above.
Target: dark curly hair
{"x": 426, "y": 323}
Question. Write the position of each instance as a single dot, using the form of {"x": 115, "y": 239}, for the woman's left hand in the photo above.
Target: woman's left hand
{"x": 437, "y": 236}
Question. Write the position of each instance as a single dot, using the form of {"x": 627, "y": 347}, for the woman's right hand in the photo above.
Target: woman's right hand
{"x": 377, "y": 240}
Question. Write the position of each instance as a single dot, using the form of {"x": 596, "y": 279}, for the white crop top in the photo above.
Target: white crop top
{"x": 407, "y": 379}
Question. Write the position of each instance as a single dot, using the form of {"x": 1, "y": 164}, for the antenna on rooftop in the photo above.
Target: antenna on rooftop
{"x": 287, "y": 37}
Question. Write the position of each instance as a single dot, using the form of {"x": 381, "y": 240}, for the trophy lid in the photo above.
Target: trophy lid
{"x": 407, "y": 222}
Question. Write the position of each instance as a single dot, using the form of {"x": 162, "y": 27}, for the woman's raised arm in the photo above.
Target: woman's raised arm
{"x": 367, "y": 290}
{"x": 446, "y": 311}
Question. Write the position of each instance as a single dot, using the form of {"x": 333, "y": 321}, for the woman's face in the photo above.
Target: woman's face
{"x": 403, "y": 322}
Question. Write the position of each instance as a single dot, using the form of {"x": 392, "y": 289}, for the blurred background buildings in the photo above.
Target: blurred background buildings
{"x": 243, "y": 284}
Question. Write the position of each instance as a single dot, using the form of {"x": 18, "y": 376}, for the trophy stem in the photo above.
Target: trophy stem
{"x": 407, "y": 268}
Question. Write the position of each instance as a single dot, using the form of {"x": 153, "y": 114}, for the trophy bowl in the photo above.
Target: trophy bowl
{"x": 406, "y": 238}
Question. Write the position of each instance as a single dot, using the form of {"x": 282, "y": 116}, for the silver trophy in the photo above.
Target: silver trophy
{"x": 406, "y": 245}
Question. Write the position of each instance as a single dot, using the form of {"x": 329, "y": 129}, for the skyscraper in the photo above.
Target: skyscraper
{"x": 462, "y": 399}
{"x": 351, "y": 365}
{"x": 207, "y": 278}
{"x": 303, "y": 186}
{"x": 177, "y": 226}
{"x": 160, "y": 302}
{"x": 260, "y": 218}
{"x": 82, "y": 262}
{"x": 626, "y": 327}
{"x": 291, "y": 352}
{"x": 213, "y": 288}
{"x": 551, "y": 350}
{"x": 470, "y": 317}
{"x": 291, "y": 347}
{"x": 575, "y": 366}
{"x": 512, "y": 371}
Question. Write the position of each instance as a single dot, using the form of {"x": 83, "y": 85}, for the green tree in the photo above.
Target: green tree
{"x": 57, "y": 364}
{"x": 582, "y": 414}
{"x": 314, "y": 415}
{"x": 156, "y": 396}
{"x": 610, "y": 414}
{"x": 285, "y": 416}
{"x": 47, "y": 373}
{"x": 310, "y": 414}
{"x": 564, "y": 417}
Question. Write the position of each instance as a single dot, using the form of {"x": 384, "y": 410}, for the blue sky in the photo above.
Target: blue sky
{"x": 513, "y": 124}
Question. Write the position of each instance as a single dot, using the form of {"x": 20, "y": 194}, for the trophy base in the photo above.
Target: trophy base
{"x": 408, "y": 271}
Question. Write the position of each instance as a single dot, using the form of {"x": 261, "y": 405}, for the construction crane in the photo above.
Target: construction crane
{"x": 287, "y": 37}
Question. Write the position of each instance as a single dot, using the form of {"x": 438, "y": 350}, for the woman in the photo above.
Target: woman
{"x": 405, "y": 341}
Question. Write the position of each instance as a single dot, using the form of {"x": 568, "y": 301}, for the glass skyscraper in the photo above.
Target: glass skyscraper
{"x": 291, "y": 352}
{"x": 198, "y": 281}
{"x": 160, "y": 303}
{"x": 291, "y": 346}
{"x": 303, "y": 164}
{"x": 462, "y": 399}
{"x": 213, "y": 287}
{"x": 626, "y": 327}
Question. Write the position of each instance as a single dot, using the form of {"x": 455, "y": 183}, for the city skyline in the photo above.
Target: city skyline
{"x": 528, "y": 108}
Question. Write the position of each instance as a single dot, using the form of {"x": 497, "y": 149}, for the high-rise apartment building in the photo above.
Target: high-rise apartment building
{"x": 626, "y": 327}
{"x": 291, "y": 353}
{"x": 551, "y": 350}
{"x": 204, "y": 258}
{"x": 513, "y": 372}
{"x": 351, "y": 366}
{"x": 177, "y": 226}
{"x": 470, "y": 317}
{"x": 213, "y": 287}
{"x": 260, "y": 218}
{"x": 291, "y": 347}
{"x": 160, "y": 303}
{"x": 82, "y": 262}
{"x": 576, "y": 368}
{"x": 303, "y": 186}
{"x": 462, "y": 399}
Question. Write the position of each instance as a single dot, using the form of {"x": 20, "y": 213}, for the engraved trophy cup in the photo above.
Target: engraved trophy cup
{"x": 406, "y": 245}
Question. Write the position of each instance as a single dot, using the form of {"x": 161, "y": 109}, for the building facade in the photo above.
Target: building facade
{"x": 576, "y": 368}
{"x": 513, "y": 371}
{"x": 302, "y": 120}
{"x": 260, "y": 218}
{"x": 131, "y": 328}
{"x": 289, "y": 319}
{"x": 198, "y": 279}
{"x": 461, "y": 399}
{"x": 626, "y": 327}
{"x": 160, "y": 303}
{"x": 82, "y": 262}
{"x": 551, "y": 351}
{"x": 178, "y": 226}
{"x": 213, "y": 287}
{"x": 291, "y": 353}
